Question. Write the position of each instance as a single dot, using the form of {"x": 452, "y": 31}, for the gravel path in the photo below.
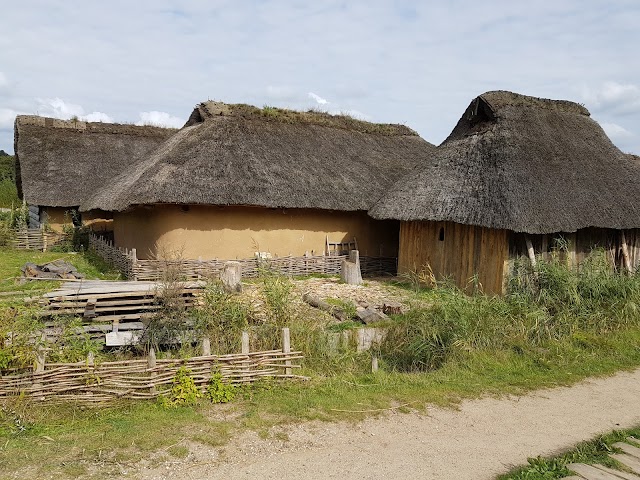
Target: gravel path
{"x": 480, "y": 440}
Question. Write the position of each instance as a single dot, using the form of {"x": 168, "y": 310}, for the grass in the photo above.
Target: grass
{"x": 593, "y": 451}
{"x": 12, "y": 260}
{"x": 449, "y": 347}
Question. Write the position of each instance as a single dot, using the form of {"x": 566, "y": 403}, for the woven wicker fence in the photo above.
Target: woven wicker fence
{"x": 131, "y": 267}
{"x": 35, "y": 239}
{"x": 148, "y": 378}
{"x": 120, "y": 258}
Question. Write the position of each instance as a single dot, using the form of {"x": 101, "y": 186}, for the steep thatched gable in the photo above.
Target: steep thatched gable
{"x": 242, "y": 155}
{"x": 524, "y": 164}
{"x": 60, "y": 163}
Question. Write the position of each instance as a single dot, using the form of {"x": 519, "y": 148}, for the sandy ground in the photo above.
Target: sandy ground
{"x": 480, "y": 440}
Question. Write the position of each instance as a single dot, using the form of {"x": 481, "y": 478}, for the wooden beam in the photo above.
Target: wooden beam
{"x": 625, "y": 252}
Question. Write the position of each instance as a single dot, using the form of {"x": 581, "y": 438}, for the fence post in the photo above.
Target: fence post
{"x": 286, "y": 348}
{"x": 374, "y": 364}
{"x": 206, "y": 346}
{"x": 44, "y": 238}
{"x": 245, "y": 343}
{"x": 151, "y": 363}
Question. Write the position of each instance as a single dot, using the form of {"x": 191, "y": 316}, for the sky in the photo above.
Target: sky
{"x": 419, "y": 63}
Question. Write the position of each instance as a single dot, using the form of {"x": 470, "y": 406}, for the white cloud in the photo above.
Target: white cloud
{"x": 7, "y": 117}
{"x": 160, "y": 119}
{"x": 58, "y": 108}
{"x": 318, "y": 99}
{"x": 615, "y": 97}
{"x": 615, "y": 131}
{"x": 97, "y": 117}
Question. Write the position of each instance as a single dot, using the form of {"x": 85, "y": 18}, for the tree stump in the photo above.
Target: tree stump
{"x": 231, "y": 276}
{"x": 350, "y": 272}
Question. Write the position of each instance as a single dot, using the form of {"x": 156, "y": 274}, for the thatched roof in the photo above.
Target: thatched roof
{"x": 62, "y": 162}
{"x": 242, "y": 155}
{"x": 523, "y": 164}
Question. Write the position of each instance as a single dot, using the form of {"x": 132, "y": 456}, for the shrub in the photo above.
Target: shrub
{"x": 219, "y": 391}
{"x": 184, "y": 391}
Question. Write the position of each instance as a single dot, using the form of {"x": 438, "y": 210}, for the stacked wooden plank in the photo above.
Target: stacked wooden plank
{"x": 115, "y": 308}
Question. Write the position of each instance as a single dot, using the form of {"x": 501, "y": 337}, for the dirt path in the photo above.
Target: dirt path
{"x": 479, "y": 441}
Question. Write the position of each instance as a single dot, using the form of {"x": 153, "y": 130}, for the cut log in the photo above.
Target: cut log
{"x": 350, "y": 272}
{"x": 391, "y": 308}
{"x": 322, "y": 305}
{"x": 231, "y": 276}
{"x": 370, "y": 315}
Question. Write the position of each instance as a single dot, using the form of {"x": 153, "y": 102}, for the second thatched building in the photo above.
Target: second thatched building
{"x": 517, "y": 176}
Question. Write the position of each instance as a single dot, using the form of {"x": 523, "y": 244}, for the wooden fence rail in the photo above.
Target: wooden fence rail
{"x": 148, "y": 378}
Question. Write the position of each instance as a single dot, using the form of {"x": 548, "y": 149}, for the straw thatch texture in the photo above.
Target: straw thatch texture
{"x": 59, "y": 163}
{"x": 241, "y": 155}
{"x": 524, "y": 164}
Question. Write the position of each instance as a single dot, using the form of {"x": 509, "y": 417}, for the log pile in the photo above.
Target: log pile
{"x": 58, "y": 269}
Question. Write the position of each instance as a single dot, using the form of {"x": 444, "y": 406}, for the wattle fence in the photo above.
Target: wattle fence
{"x": 95, "y": 382}
{"x": 131, "y": 267}
{"x": 35, "y": 239}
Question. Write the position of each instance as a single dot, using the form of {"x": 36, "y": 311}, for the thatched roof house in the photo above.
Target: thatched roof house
{"x": 60, "y": 163}
{"x": 302, "y": 163}
{"x": 513, "y": 163}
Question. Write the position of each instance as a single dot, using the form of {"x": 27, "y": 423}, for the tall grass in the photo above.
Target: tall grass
{"x": 563, "y": 304}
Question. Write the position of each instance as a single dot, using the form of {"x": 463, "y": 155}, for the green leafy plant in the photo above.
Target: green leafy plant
{"x": 219, "y": 391}
{"x": 184, "y": 391}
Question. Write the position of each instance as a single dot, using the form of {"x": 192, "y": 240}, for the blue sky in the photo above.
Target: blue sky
{"x": 417, "y": 63}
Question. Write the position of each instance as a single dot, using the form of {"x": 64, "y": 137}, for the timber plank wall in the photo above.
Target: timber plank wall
{"x": 455, "y": 251}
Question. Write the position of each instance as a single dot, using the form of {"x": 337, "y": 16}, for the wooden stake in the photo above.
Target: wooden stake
{"x": 374, "y": 364}
{"x": 206, "y": 346}
{"x": 286, "y": 348}
{"x": 625, "y": 252}
{"x": 245, "y": 343}
{"x": 151, "y": 363}
{"x": 530, "y": 251}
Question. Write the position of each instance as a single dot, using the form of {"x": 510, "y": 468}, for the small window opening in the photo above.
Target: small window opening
{"x": 441, "y": 234}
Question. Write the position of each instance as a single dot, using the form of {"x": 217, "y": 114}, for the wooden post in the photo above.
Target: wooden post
{"x": 151, "y": 363}
{"x": 206, "y": 346}
{"x": 44, "y": 238}
{"x": 231, "y": 276}
{"x": 530, "y": 251}
{"x": 625, "y": 252}
{"x": 245, "y": 343}
{"x": 286, "y": 348}
{"x": 374, "y": 364}
{"x": 350, "y": 272}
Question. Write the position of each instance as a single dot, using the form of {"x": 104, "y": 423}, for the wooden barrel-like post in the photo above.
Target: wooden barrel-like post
{"x": 350, "y": 272}
{"x": 245, "y": 343}
{"x": 286, "y": 348}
